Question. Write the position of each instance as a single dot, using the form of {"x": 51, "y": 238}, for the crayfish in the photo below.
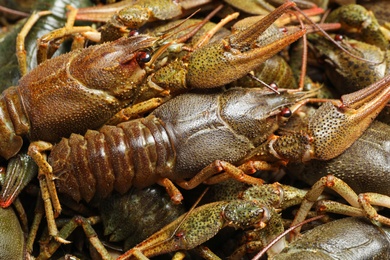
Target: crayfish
{"x": 111, "y": 79}
{"x": 191, "y": 139}
{"x": 115, "y": 75}
{"x": 182, "y": 139}
{"x": 271, "y": 198}
{"x": 241, "y": 212}
{"x": 173, "y": 144}
{"x": 354, "y": 238}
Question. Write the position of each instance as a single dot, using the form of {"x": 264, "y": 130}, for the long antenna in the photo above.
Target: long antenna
{"x": 275, "y": 240}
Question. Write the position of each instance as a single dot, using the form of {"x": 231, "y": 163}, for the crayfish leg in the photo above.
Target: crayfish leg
{"x": 317, "y": 189}
{"x": 39, "y": 212}
{"x": 20, "y": 48}
{"x": 205, "y": 253}
{"x": 366, "y": 201}
{"x": 209, "y": 174}
{"x": 366, "y": 209}
{"x": 45, "y": 44}
{"x": 48, "y": 190}
{"x": 171, "y": 189}
{"x": 35, "y": 150}
{"x": 53, "y": 231}
{"x": 68, "y": 228}
{"x": 135, "y": 111}
{"x": 361, "y": 205}
{"x": 241, "y": 173}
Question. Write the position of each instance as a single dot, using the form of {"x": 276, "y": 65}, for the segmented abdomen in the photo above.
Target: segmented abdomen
{"x": 134, "y": 153}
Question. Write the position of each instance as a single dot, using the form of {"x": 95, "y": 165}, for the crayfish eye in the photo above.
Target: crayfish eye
{"x": 133, "y": 33}
{"x": 143, "y": 56}
{"x": 338, "y": 37}
{"x": 283, "y": 29}
{"x": 180, "y": 235}
{"x": 286, "y": 112}
{"x": 274, "y": 86}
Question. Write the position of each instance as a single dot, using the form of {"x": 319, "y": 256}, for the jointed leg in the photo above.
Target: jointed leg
{"x": 20, "y": 48}
{"x": 136, "y": 110}
{"x": 57, "y": 36}
{"x": 68, "y": 228}
{"x": 219, "y": 171}
{"x": 48, "y": 190}
{"x": 38, "y": 215}
{"x": 360, "y": 205}
{"x": 36, "y": 151}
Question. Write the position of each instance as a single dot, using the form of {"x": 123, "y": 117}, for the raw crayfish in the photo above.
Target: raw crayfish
{"x": 113, "y": 76}
{"x": 185, "y": 233}
{"x": 171, "y": 155}
{"x": 111, "y": 79}
{"x": 354, "y": 238}
{"x": 131, "y": 217}
{"x": 177, "y": 141}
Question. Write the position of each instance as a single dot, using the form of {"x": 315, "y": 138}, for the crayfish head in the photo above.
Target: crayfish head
{"x": 254, "y": 112}
{"x": 117, "y": 68}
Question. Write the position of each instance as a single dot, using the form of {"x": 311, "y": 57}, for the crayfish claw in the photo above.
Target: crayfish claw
{"x": 335, "y": 126}
{"x": 346, "y": 123}
{"x": 237, "y": 55}
{"x": 61, "y": 240}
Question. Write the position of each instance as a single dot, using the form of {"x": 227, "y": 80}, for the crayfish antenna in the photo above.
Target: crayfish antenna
{"x": 333, "y": 41}
{"x": 161, "y": 50}
{"x": 276, "y": 239}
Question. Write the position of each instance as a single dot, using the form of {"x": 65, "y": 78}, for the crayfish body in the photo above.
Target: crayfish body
{"x": 176, "y": 141}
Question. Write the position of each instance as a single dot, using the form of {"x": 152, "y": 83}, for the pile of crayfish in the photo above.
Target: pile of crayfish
{"x": 187, "y": 129}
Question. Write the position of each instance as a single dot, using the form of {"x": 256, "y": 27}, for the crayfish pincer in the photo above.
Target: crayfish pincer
{"x": 182, "y": 139}
{"x": 196, "y": 227}
{"x": 334, "y": 127}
